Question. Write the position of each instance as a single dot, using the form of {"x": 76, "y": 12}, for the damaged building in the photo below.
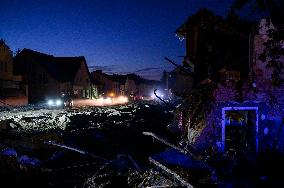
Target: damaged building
{"x": 232, "y": 103}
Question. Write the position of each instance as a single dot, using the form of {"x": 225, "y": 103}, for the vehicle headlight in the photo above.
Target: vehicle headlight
{"x": 50, "y": 102}
{"x": 58, "y": 102}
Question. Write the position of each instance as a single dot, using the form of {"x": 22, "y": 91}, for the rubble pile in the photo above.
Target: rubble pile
{"x": 32, "y": 119}
{"x": 156, "y": 178}
{"x": 48, "y": 143}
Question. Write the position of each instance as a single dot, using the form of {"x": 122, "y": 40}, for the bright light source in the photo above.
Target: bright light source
{"x": 58, "y": 102}
{"x": 101, "y": 99}
{"x": 159, "y": 93}
{"x": 125, "y": 99}
{"x": 111, "y": 94}
{"x": 112, "y": 100}
{"x": 108, "y": 100}
{"x": 122, "y": 99}
{"x": 50, "y": 102}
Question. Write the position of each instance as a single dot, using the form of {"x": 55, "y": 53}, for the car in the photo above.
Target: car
{"x": 60, "y": 102}
{"x": 55, "y": 102}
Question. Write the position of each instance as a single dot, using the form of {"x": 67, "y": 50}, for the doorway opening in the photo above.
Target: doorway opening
{"x": 240, "y": 129}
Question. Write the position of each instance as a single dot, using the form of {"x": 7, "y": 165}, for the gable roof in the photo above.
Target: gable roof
{"x": 63, "y": 69}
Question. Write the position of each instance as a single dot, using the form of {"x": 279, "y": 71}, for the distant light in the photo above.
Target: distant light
{"x": 108, "y": 100}
{"x": 111, "y": 94}
{"x": 58, "y": 102}
{"x": 101, "y": 99}
{"x": 112, "y": 100}
{"x": 50, "y": 102}
{"x": 122, "y": 99}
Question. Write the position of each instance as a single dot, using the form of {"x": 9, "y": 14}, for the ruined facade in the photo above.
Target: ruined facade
{"x": 213, "y": 46}
{"x": 244, "y": 111}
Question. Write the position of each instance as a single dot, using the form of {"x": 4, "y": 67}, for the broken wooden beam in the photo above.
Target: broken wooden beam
{"x": 164, "y": 141}
{"x": 75, "y": 150}
{"x": 167, "y": 170}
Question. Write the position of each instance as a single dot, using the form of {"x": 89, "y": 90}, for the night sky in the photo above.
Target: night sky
{"x": 117, "y": 36}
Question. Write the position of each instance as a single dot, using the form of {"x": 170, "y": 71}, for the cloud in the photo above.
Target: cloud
{"x": 153, "y": 73}
{"x": 104, "y": 68}
{"x": 148, "y": 69}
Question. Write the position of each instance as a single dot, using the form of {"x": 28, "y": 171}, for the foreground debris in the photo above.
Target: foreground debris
{"x": 74, "y": 147}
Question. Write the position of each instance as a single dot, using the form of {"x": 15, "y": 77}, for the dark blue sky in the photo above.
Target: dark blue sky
{"x": 117, "y": 36}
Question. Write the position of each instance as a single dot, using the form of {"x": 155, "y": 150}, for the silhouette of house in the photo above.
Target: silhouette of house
{"x": 12, "y": 89}
{"x": 108, "y": 86}
{"x": 48, "y": 76}
{"x": 129, "y": 84}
